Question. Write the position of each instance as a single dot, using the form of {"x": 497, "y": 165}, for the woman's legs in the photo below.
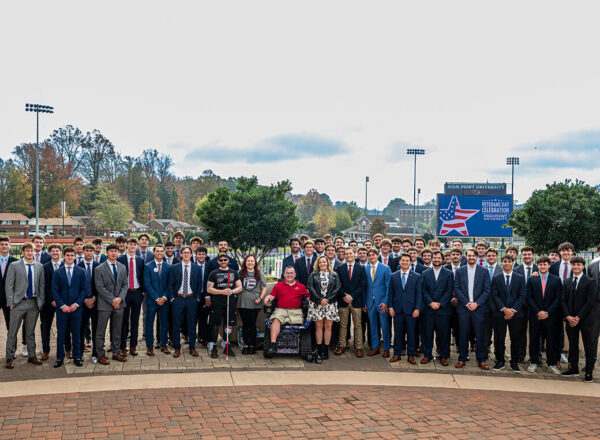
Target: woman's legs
{"x": 328, "y": 326}
{"x": 319, "y": 331}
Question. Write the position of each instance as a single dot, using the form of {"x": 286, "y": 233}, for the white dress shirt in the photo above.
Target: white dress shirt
{"x": 561, "y": 271}
{"x": 471, "y": 280}
{"x": 136, "y": 284}
{"x": 189, "y": 287}
{"x": 436, "y": 272}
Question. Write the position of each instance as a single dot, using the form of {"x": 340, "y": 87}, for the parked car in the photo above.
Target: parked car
{"x": 115, "y": 234}
{"x": 42, "y": 233}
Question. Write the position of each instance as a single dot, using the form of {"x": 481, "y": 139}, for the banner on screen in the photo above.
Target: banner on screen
{"x": 473, "y": 216}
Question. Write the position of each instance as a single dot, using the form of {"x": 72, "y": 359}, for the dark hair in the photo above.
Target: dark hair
{"x": 471, "y": 250}
{"x": 27, "y": 245}
{"x": 68, "y": 249}
{"x": 544, "y": 259}
{"x": 437, "y": 252}
{"x": 97, "y": 241}
{"x": 455, "y": 251}
{"x": 319, "y": 240}
{"x": 169, "y": 243}
{"x": 577, "y": 260}
{"x": 405, "y": 255}
{"x": 4, "y": 238}
{"x": 508, "y": 257}
{"x": 88, "y": 246}
{"x": 120, "y": 239}
{"x": 527, "y": 248}
{"x": 512, "y": 248}
{"x": 420, "y": 239}
{"x": 566, "y": 245}
{"x": 144, "y": 235}
{"x": 52, "y": 246}
{"x": 295, "y": 239}
{"x": 553, "y": 251}
{"x": 244, "y": 269}
{"x": 426, "y": 251}
{"x": 132, "y": 240}
{"x": 78, "y": 239}
{"x": 111, "y": 247}
{"x": 178, "y": 234}
{"x": 201, "y": 249}
{"x": 372, "y": 251}
{"x": 492, "y": 250}
{"x": 330, "y": 245}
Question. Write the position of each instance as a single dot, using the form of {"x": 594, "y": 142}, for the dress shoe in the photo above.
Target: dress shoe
{"x": 9, "y": 364}
{"x": 499, "y": 366}
{"x": 119, "y": 357}
{"x": 444, "y": 362}
{"x": 34, "y": 361}
{"x": 571, "y": 372}
{"x": 483, "y": 366}
{"x": 123, "y": 352}
{"x": 340, "y": 351}
{"x": 395, "y": 358}
{"x": 103, "y": 361}
{"x": 150, "y": 351}
{"x": 386, "y": 353}
{"x": 460, "y": 364}
{"x": 69, "y": 355}
{"x": 78, "y": 362}
{"x": 412, "y": 360}
{"x": 165, "y": 350}
{"x": 214, "y": 353}
{"x": 359, "y": 353}
{"x": 45, "y": 356}
{"x": 251, "y": 349}
{"x": 59, "y": 363}
{"x": 133, "y": 351}
{"x": 425, "y": 360}
{"x": 245, "y": 350}
{"x": 373, "y": 352}
{"x": 193, "y": 352}
{"x": 177, "y": 353}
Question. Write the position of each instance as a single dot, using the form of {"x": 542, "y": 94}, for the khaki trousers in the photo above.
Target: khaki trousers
{"x": 356, "y": 320}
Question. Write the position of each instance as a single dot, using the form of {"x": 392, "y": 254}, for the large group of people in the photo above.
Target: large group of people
{"x": 392, "y": 298}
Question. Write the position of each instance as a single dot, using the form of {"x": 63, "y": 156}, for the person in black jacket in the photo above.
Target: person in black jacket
{"x": 353, "y": 280}
{"x": 48, "y": 310}
{"x": 578, "y": 304}
{"x": 89, "y": 306}
{"x": 324, "y": 287}
{"x": 304, "y": 265}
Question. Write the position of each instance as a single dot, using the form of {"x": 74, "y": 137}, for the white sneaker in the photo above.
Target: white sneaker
{"x": 25, "y": 353}
{"x": 563, "y": 359}
{"x": 94, "y": 359}
{"x": 553, "y": 369}
{"x": 532, "y": 368}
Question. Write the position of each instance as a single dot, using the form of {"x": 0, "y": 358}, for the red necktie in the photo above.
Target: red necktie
{"x": 481, "y": 262}
{"x": 349, "y": 271}
{"x": 543, "y": 286}
{"x": 565, "y": 274}
{"x": 385, "y": 261}
{"x": 131, "y": 269}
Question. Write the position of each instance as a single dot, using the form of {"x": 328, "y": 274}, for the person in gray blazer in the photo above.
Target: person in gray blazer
{"x": 111, "y": 285}
{"x": 25, "y": 291}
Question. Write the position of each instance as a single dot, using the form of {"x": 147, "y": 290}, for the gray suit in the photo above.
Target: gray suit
{"x": 16, "y": 286}
{"x": 108, "y": 289}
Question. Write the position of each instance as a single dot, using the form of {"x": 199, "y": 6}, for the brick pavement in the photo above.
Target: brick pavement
{"x": 295, "y": 412}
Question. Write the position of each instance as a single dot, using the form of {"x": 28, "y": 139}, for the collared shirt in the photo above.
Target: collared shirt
{"x": 189, "y": 285}
{"x": 97, "y": 257}
{"x": 471, "y": 280}
{"x": 385, "y": 260}
{"x": 32, "y": 273}
{"x": 296, "y": 256}
{"x": 436, "y": 272}
{"x": 91, "y": 263}
{"x": 561, "y": 271}
{"x": 136, "y": 284}
{"x": 69, "y": 268}
{"x": 56, "y": 264}
{"x": 38, "y": 256}
{"x": 576, "y": 280}
{"x": 78, "y": 258}
{"x": 509, "y": 275}
{"x": 525, "y": 267}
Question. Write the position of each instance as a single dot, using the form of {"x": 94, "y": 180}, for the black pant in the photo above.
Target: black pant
{"x": 219, "y": 315}
{"x": 515, "y": 328}
{"x": 203, "y": 326}
{"x": 86, "y": 316}
{"x": 131, "y": 318}
{"x": 366, "y": 328}
{"x": 249, "y": 326}
{"x": 549, "y": 328}
{"x": 523, "y": 343}
{"x": 6, "y": 311}
{"x": 589, "y": 336}
{"x": 46, "y": 317}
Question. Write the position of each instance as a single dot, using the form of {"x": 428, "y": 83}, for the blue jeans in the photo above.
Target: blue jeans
{"x": 163, "y": 319}
{"x": 187, "y": 307}
{"x": 375, "y": 317}
{"x": 68, "y": 323}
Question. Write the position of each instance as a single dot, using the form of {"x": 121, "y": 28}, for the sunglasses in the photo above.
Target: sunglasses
{"x": 222, "y": 260}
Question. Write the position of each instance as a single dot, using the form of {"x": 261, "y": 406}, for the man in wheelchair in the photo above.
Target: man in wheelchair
{"x": 286, "y": 307}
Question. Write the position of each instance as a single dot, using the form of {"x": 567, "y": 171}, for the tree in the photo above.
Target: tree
{"x": 68, "y": 143}
{"x": 394, "y": 206}
{"x": 324, "y": 220}
{"x": 342, "y": 222}
{"x": 253, "y": 219}
{"x": 157, "y": 235}
{"x": 114, "y": 212}
{"x": 353, "y": 211}
{"x": 15, "y": 192}
{"x": 309, "y": 204}
{"x": 98, "y": 152}
{"x": 378, "y": 226}
{"x": 561, "y": 212}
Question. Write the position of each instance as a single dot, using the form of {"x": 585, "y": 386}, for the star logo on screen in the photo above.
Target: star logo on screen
{"x": 454, "y": 218}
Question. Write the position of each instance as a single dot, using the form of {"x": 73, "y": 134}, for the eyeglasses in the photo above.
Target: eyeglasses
{"x": 223, "y": 260}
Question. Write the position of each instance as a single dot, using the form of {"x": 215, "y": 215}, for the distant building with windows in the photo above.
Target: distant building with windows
{"x": 424, "y": 214}
{"x": 362, "y": 229}
{"x": 13, "y": 223}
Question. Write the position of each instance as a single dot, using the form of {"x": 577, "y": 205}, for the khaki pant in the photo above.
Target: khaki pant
{"x": 356, "y": 320}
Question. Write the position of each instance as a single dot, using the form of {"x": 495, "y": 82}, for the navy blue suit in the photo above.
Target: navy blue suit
{"x": 405, "y": 300}
{"x": 439, "y": 291}
{"x": 133, "y": 303}
{"x": 65, "y": 293}
{"x": 550, "y": 328}
{"x": 48, "y": 311}
{"x": 419, "y": 267}
{"x": 468, "y": 318}
{"x": 185, "y": 306}
{"x": 157, "y": 286}
{"x": 88, "y": 314}
{"x": 102, "y": 259}
{"x": 149, "y": 255}
{"x": 288, "y": 261}
{"x": 300, "y": 266}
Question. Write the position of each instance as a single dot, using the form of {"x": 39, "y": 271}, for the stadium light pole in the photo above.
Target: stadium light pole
{"x": 366, "y": 192}
{"x": 415, "y": 152}
{"x": 37, "y": 108}
{"x": 512, "y": 161}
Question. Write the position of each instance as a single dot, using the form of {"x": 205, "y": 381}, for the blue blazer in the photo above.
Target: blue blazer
{"x": 139, "y": 269}
{"x": 408, "y": 299}
{"x": 64, "y": 294}
{"x": 176, "y": 276}
{"x": 438, "y": 291}
{"x": 378, "y": 289}
{"x": 481, "y": 289}
{"x": 103, "y": 258}
{"x": 513, "y": 299}
{"x": 157, "y": 286}
{"x": 149, "y": 255}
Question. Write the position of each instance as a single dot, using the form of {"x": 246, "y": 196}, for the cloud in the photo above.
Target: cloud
{"x": 275, "y": 149}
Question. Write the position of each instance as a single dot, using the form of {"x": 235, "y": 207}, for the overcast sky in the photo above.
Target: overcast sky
{"x": 322, "y": 93}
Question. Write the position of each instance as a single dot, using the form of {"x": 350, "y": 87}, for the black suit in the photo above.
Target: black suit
{"x": 511, "y": 298}
{"x": 439, "y": 291}
{"x": 300, "y": 266}
{"x": 549, "y": 328}
{"x": 580, "y": 301}
{"x": 520, "y": 269}
{"x": 87, "y": 313}
{"x": 555, "y": 270}
{"x": 48, "y": 310}
{"x": 133, "y": 303}
{"x": 288, "y": 261}
{"x": 5, "y": 308}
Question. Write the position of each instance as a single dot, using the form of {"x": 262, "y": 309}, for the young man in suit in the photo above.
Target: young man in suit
{"x": 405, "y": 297}
{"x": 458, "y": 244}
{"x": 481, "y": 248}
{"x": 178, "y": 238}
{"x": 508, "y": 295}
{"x": 472, "y": 289}
{"x": 562, "y": 268}
{"x": 378, "y": 285}
{"x": 99, "y": 257}
{"x": 111, "y": 285}
{"x": 49, "y": 308}
{"x": 494, "y": 268}
{"x": 143, "y": 250}
{"x": 121, "y": 243}
{"x": 415, "y": 264}
{"x": 579, "y": 304}
{"x": 305, "y": 264}
{"x": 527, "y": 268}
{"x": 291, "y": 259}
{"x": 134, "y": 266}
{"x": 385, "y": 256}
{"x": 39, "y": 255}
{"x": 170, "y": 253}
{"x": 89, "y": 308}
{"x": 5, "y": 261}
{"x": 419, "y": 245}
{"x": 78, "y": 244}
{"x": 593, "y": 271}
{"x": 157, "y": 274}
{"x": 438, "y": 285}
{"x": 353, "y": 279}
{"x": 543, "y": 297}
{"x": 69, "y": 288}
{"x": 25, "y": 290}
{"x": 222, "y": 248}
{"x": 203, "y": 311}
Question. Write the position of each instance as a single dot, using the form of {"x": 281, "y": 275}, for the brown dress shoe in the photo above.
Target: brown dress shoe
{"x": 193, "y": 352}
{"x": 102, "y": 360}
{"x": 133, "y": 351}
{"x": 119, "y": 357}
{"x": 412, "y": 360}
{"x": 373, "y": 352}
{"x": 395, "y": 358}
{"x": 34, "y": 360}
{"x": 150, "y": 351}
{"x": 444, "y": 362}
{"x": 460, "y": 364}
{"x": 9, "y": 364}
{"x": 165, "y": 350}
{"x": 386, "y": 353}
{"x": 425, "y": 360}
{"x": 69, "y": 355}
{"x": 340, "y": 351}
{"x": 45, "y": 356}
{"x": 123, "y": 353}
{"x": 483, "y": 366}
{"x": 403, "y": 353}
{"x": 177, "y": 353}
{"x": 359, "y": 353}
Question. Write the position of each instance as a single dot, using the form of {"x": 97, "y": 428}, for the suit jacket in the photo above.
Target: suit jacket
{"x": 3, "y": 281}
{"x": 555, "y": 269}
{"x": 390, "y": 258}
{"x": 149, "y": 255}
{"x": 65, "y": 294}
{"x": 44, "y": 257}
{"x": 481, "y": 289}
{"x": 513, "y": 299}
{"x": 419, "y": 268}
{"x": 17, "y": 283}
{"x": 549, "y": 301}
{"x": 438, "y": 291}
{"x": 405, "y": 300}
{"x": 300, "y": 266}
{"x": 195, "y": 280}
{"x": 139, "y": 269}
{"x": 333, "y": 288}
{"x": 287, "y": 261}
{"x": 48, "y": 273}
{"x": 377, "y": 288}
{"x": 103, "y": 258}
{"x": 593, "y": 271}
{"x": 157, "y": 286}
{"x": 108, "y": 289}
{"x": 394, "y": 263}
{"x": 355, "y": 287}
{"x": 579, "y": 302}
{"x": 92, "y": 292}
{"x": 174, "y": 261}
{"x": 204, "y": 275}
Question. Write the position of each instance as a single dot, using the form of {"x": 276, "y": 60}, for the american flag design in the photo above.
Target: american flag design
{"x": 454, "y": 218}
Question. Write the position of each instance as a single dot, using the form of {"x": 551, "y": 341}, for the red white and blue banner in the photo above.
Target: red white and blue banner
{"x": 474, "y": 216}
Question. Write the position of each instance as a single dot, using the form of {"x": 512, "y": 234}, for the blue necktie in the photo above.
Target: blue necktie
{"x": 508, "y": 288}
{"x": 89, "y": 271}
{"x": 69, "y": 275}
{"x": 114, "y": 271}
{"x": 30, "y": 279}
{"x": 491, "y": 269}
{"x": 403, "y": 279}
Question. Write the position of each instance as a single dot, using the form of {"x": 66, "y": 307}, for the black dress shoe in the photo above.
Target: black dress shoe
{"x": 499, "y": 366}
{"x": 58, "y": 363}
{"x": 245, "y": 350}
{"x": 214, "y": 353}
{"x": 251, "y": 349}
{"x": 570, "y": 372}
{"x": 588, "y": 378}
{"x": 515, "y": 367}
{"x": 78, "y": 362}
